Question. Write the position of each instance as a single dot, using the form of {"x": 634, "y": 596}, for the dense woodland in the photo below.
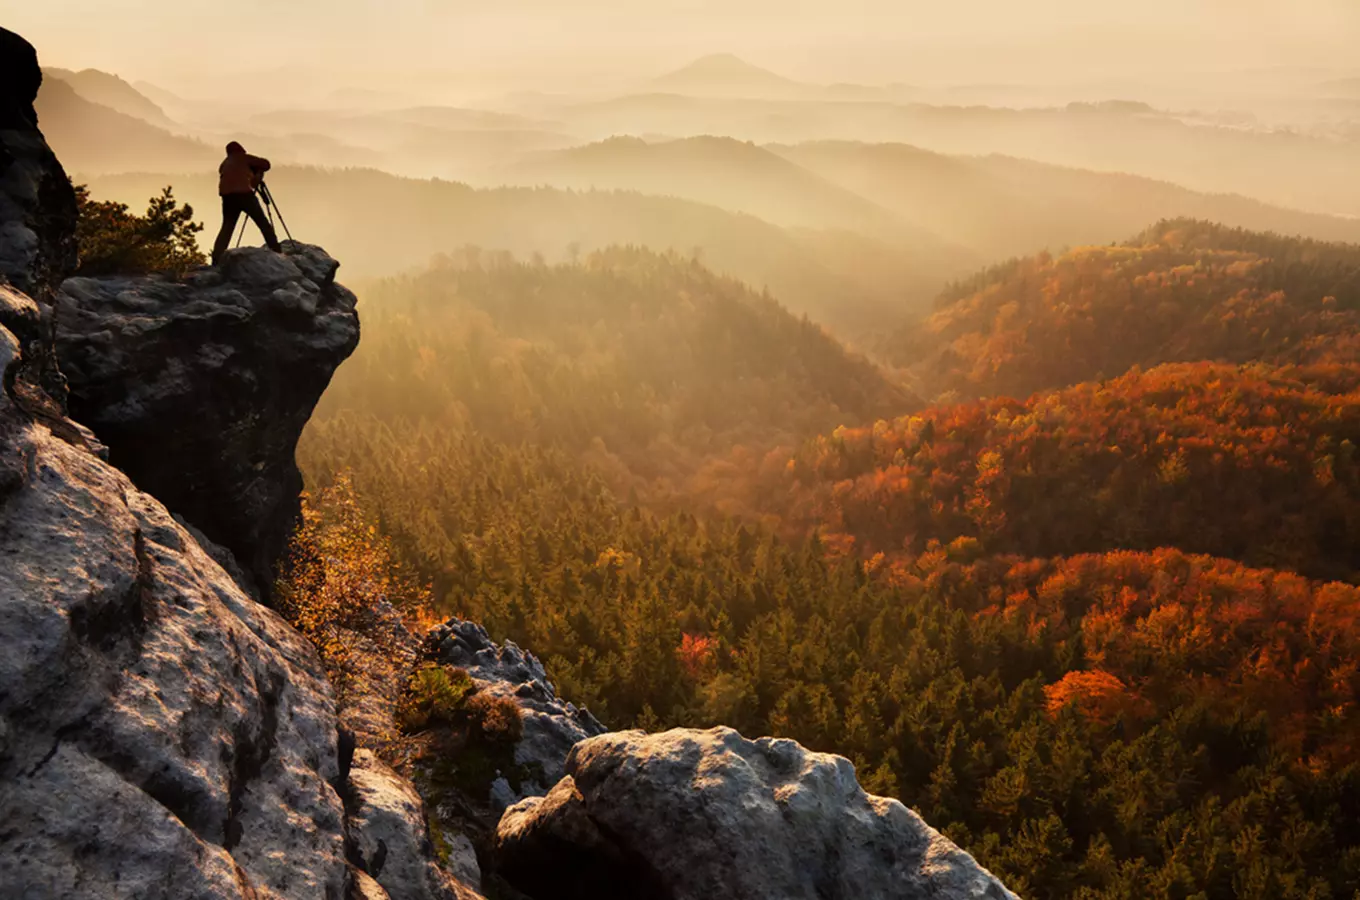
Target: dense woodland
{"x": 1105, "y": 637}
{"x": 649, "y": 363}
{"x": 1252, "y": 463}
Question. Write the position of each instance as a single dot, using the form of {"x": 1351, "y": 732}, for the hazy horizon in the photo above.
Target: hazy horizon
{"x": 410, "y": 45}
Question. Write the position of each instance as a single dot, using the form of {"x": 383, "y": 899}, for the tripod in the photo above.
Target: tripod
{"x": 270, "y": 208}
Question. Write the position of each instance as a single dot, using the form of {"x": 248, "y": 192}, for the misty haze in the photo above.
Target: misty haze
{"x": 967, "y": 393}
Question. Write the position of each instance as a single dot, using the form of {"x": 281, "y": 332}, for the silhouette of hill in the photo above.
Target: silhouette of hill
{"x": 1320, "y": 174}
{"x": 1001, "y": 206}
{"x": 448, "y": 142}
{"x": 721, "y": 171}
{"x": 111, "y": 91}
{"x": 93, "y": 139}
{"x": 723, "y": 74}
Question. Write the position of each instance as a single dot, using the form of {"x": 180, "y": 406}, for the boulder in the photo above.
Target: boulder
{"x": 688, "y": 815}
{"x": 389, "y": 832}
{"x": 161, "y": 734}
{"x": 552, "y": 726}
{"x": 37, "y": 203}
{"x": 201, "y": 387}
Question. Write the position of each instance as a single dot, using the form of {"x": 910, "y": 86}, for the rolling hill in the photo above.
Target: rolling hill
{"x": 720, "y": 171}
{"x": 92, "y": 139}
{"x": 113, "y": 92}
{"x": 1181, "y": 291}
{"x": 1319, "y": 174}
{"x": 1001, "y": 206}
{"x": 1254, "y": 463}
{"x": 646, "y": 362}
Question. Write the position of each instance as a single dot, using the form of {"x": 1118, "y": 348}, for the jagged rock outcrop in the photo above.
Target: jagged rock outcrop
{"x": 689, "y": 815}
{"x": 37, "y": 202}
{"x": 552, "y": 726}
{"x": 161, "y": 734}
{"x": 389, "y": 832}
{"x": 201, "y": 387}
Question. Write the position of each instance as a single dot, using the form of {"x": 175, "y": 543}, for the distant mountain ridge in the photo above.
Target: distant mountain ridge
{"x": 726, "y": 74}
{"x": 722, "y": 171}
{"x": 94, "y": 139}
{"x": 1001, "y": 206}
{"x": 109, "y": 90}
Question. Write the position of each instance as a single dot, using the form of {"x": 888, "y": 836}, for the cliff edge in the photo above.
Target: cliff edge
{"x": 201, "y": 387}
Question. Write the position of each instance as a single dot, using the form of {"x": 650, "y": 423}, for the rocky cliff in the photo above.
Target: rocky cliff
{"x": 164, "y": 735}
{"x": 201, "y": 388}
{"x": 37, "y": 202}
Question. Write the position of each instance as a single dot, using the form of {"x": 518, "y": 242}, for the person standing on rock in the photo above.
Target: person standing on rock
{"x": 239, "y": 176}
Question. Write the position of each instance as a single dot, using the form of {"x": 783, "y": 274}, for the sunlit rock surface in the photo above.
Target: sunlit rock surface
{"x": 161, "y": 734}
{"x": 201, "y": 387}
{"x": 688, "y": 815}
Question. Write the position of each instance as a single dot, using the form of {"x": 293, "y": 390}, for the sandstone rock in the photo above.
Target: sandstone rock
{"x": 551, "y": 726}
{"x": 365, "y": 888}
{"x": 37, "y": 203}
{"x": 161, "y": 735}
{"x": 388, "y": 829}
{"x": 202, "y": 387}
{"x": 698, "y": 814}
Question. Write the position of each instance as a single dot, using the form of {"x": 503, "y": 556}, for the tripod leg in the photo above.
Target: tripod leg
{"x": 241, "y": 236}
{"x": 273, "y": 208}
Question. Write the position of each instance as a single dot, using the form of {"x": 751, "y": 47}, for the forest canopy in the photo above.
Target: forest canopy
{"x": 1180, "y": 292}
{"x": 1104, "y": 637}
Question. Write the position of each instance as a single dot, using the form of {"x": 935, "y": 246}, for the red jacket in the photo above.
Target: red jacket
{"x": 240, "y": 173}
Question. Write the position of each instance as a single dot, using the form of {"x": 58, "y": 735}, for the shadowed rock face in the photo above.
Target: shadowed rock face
{"x": 37, "y": 203}
{"x": 201, "y": 387}
{"x": 687, "y": 815}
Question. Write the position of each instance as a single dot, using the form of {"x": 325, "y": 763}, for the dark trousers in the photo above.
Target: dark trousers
{"x": 233, "y": 205}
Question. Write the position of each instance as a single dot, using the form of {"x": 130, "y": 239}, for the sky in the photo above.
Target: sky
{"x": 387, "y": 44}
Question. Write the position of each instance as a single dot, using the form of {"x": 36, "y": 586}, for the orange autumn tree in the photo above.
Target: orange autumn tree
{"x": 343, "y": 588}
{"x": 1102, "y": 697}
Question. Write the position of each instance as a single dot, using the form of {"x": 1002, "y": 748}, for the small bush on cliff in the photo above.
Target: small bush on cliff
{"x": 498, "y": 719}
{"x": 434, "y": 695}
{"x": 445, "y": 695}
{"x": 343, "y": 588}
{"x": 115, "y": 241}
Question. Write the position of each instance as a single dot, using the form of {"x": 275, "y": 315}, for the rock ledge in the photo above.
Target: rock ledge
{"x": 201, "y": 387}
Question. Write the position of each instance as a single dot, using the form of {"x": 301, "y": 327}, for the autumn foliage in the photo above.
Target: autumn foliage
{"x": 1180, "y": 292}
{"x": 344, "y": 589}
{"x": 1252, "y": 463}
